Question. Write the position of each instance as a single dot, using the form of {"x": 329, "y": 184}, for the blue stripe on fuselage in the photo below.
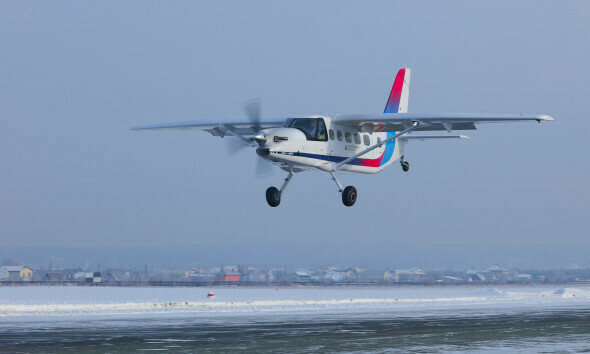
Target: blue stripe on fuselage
{"x": 389, "y": 149}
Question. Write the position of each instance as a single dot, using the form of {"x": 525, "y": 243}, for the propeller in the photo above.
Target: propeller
{"x": 263, "y": 167}
{"x": 253, "y": 109}
{"x": 235, "y": 144}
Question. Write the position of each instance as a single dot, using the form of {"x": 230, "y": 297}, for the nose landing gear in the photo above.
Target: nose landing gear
{"x": 273, "y": 195}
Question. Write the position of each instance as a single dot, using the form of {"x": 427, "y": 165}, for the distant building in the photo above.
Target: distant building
{"x": 230, "y": 275}
{"x": 302, "y": 276}
{"x": 523, "y": 278}
{"x": 347, "y": 275}
{"x": 474, "y": 275}
{"x": 95, "y": 277}
{"x": 497, "y": 273}
{"x": 415, "y": 275}
{"x": 117, "y": 275}
{"x": 16, "y": 273}
{"x": 52, "y": 276}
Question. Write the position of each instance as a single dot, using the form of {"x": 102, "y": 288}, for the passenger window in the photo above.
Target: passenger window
{"x": 347, "y": 137}
{"x": 331, "y": 133}
{"x": 339, "y": 135}
{"x": 357, "y": 138}
{"x": 366, "y": 140}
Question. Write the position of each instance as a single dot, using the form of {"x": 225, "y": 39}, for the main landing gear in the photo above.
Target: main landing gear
{"x": 273, "y": 195}
{"x": 349, "y": 193}
{"x": 405, "y": 165}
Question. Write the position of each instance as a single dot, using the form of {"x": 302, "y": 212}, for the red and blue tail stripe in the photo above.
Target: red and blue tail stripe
{"x": 395, "y": 96}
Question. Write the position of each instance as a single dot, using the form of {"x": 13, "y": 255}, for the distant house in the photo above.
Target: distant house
{"x": 117, "y": 275}
{"x": 230, "y": 275}
{"x": 302, "y": 276}
{"x": 497, "y": 273}
{"x": 16, "y": 273}
{"x": 523, "y": 278}
{"x": 52, "y": 276}
{"x": 370, "y": 275}
{"x": 448, "y": 279}
{"x": 334, "y": 275}
{"x": 95, "y": 277}
{"x": 573, "y": 266}
{"x": 474, "y": 275}
{"x": 415, "y": 275}
{"x": 72, "y": 274}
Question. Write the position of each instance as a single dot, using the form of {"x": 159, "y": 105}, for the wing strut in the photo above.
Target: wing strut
{"x": 371, "y": 148}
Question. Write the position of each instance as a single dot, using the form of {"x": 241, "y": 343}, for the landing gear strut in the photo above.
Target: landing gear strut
{"x": 405, "y": 165}
{"x": 273, "y": 195}
{"x": 348, "y": 194}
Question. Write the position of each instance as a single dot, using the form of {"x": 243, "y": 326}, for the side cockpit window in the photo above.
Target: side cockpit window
{"x": 313, "y": 128}
{"x": 322, "y": 134}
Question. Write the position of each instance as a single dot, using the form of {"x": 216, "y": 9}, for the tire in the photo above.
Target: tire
{"x": 349, "y": 196}
{"x": 405, "y": 166}
{"x": 273, "y": 197}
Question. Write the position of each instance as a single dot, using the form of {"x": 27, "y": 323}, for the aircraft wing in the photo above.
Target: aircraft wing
{"x": 432, "y": 137}
{"x": 395, "y": 122}
{"x": 220, "y": 127}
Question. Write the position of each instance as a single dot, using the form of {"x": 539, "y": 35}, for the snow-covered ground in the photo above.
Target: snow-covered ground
{"x": 29, "y": 301}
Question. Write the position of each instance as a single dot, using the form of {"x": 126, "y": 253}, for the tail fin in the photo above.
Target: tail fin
{"x": 400, "y": 93}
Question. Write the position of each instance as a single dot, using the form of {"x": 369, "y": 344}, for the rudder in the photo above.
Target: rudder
{"x": 400, "y": 93}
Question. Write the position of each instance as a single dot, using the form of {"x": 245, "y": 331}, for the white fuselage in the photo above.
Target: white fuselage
{"x": 288, "y": 146}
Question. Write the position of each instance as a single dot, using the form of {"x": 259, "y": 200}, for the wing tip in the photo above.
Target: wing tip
{"x": 545, "y": 117}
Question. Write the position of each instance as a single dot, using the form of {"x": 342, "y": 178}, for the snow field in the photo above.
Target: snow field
{"x": 75, "y": 301}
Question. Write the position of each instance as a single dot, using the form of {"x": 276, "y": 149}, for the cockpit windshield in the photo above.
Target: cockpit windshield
{"x": 313, "y": 128}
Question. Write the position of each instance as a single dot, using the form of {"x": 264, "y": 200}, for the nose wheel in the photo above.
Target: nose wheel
{"x": 273, "y": 195}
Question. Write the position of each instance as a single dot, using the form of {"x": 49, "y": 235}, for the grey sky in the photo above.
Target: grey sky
{"x": 74, "y": 76}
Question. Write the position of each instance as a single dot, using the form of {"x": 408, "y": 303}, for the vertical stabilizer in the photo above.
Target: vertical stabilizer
{"x": 400, "y": 93}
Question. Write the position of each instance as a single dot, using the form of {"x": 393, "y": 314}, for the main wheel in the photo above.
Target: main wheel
{"x": 405, "y": 166}
{"x": 273, "y": 197}
{"x": 349, "y": 196}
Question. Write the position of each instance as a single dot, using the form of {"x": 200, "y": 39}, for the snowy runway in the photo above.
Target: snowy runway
{"x": 292, "y": 319}
{"x": 407, "y": 301}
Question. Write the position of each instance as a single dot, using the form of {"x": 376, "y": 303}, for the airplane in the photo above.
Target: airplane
{"x": 361, "y": 143}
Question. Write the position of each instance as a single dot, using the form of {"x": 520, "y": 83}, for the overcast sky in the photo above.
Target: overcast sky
{"x": 76, "y": 185}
